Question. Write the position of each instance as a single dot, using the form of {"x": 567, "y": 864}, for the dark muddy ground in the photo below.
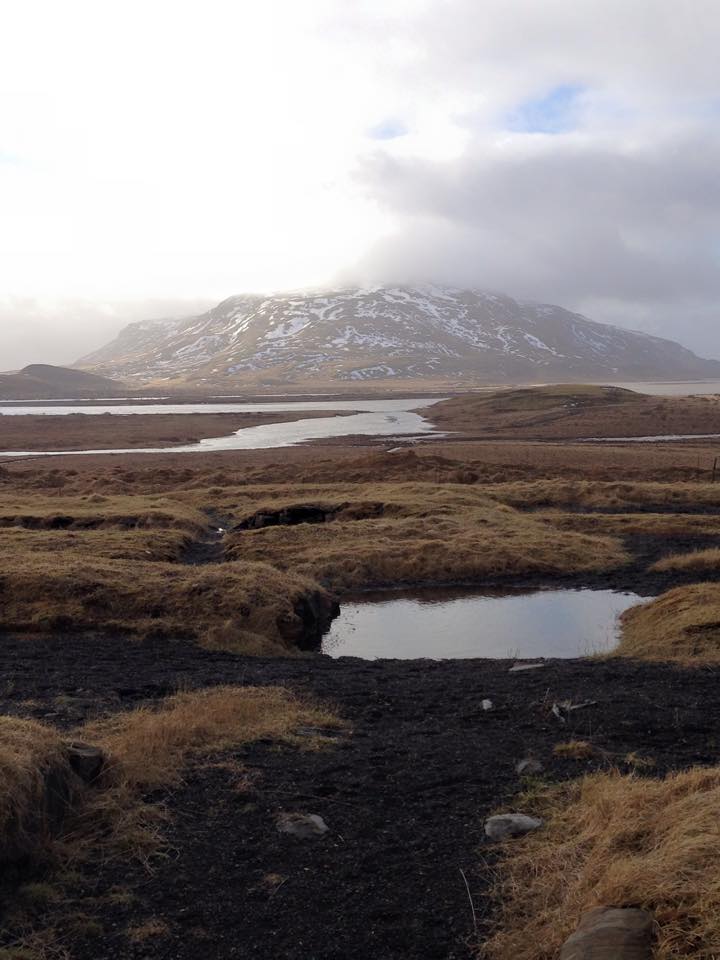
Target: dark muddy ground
{"x": 404, "y": 792}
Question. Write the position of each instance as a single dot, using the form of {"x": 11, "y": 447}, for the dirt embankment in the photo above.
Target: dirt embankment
{"x": 79, "y": 431}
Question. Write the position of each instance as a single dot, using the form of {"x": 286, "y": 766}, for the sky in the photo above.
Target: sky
{"x": 157, "y": 157}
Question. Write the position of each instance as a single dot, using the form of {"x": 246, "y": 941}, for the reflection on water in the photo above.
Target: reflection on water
{"x": 63, "y": 408}
{"x": 459, "y": 623}
{"x": 379, "y": 418}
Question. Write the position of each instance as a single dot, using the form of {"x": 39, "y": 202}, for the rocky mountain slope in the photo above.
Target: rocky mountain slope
{"x": 41, "y": 381}
{"x": 388, "y": 333}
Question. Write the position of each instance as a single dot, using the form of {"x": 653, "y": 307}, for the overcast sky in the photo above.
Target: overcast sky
{"x": 158, "y": 156}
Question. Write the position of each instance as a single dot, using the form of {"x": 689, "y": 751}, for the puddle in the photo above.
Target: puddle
{"x": 442, "y": 623}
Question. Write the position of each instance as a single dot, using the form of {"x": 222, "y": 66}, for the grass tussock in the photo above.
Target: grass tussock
{"x": 149, "y": 748}
{"x": 246, "y": 606}
{"x": 634, "y": 524}
{"x": 425, "y": 533}
{"x": 682, "y": 624}
{"x": 574, "y": 750}
{"x": 695, "y": 561}
{"x": 94, "y": 511}
{"x": 615, "y": 840}
{"x": 30, "y": 753}
{"x": 593, "y": 494}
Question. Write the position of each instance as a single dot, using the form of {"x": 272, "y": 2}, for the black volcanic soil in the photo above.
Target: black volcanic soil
{"x": 404, "y": 792}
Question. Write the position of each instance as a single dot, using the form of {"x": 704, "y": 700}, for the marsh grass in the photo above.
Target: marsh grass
{"x": 614, "y": 839}
{"x": 682, "y": 624}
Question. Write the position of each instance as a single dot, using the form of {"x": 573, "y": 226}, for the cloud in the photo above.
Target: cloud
{"x": 187, "y": 151}
{"x": 588, "y": 178}
{"x": 61, "y": 332}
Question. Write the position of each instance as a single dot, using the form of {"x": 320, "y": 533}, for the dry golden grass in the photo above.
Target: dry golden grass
{"x": 593, "y": 494}
{"x": 243, "y": 605}
{"x": 148, "y": 748}
{"x": 695, "y": 561}
{"x": 574, "y": 750}
{"x": 682, "y": 624}
{"x": 427, "y": 532}
{"x": 151, "y": 928}
{"x": 98, "y": 511}
{"x": 29, "y": 753}
{"x": 620, "y": 841}
{"x": 628, "y": 524}
{"x": 110, "y": 544}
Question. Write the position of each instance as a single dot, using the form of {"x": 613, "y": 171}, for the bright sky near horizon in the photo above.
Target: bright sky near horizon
{"x": 158, "y": 156}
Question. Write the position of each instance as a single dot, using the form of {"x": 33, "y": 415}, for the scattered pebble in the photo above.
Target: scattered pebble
{"x": 525, "y": 666}
{"x": 505, "y": 825}
{"x": 304, "y": 826}
{"x": 528, "y": 766}
{"x": 611, "y": 933}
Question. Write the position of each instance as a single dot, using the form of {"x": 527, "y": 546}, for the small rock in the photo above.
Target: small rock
{"x": 505, "y": 825}
{"x": 528, "y": 766}
{"x": 87, "y": 761}
{"x": 302, "y": 825}
{"x": 611, "y": 933}
{"x": 487, "y": 704}
{"x": 525, "y": 666}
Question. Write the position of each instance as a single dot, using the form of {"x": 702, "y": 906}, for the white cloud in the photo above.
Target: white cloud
{"x": 187, "y": 150}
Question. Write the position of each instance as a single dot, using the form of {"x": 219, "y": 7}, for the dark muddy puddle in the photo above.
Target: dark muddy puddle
{"x": 461, "y": 623}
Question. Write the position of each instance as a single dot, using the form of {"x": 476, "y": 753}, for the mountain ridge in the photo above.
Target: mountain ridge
{"x": 411, "y": 333}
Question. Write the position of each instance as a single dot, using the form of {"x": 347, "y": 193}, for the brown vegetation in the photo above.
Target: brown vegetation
{"x": 268, "y": 589}
{"x": 682, "y": 624}
{"x": 574, "y": 750}
{"x": 246, "y": 606}
{"x": 149, "y": 747}
{"x": 30, "y": 753}
{"x": 565, "y": 412}
{"x": 621, "y": 841}
{"x": 425, "y": 533}
{"x": 696, "y": 561}
{"x": 80, "y": 431}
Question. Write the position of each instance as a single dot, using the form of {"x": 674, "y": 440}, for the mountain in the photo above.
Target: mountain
{"x": 40, "y": 381}
{"x": 428, "y": 333}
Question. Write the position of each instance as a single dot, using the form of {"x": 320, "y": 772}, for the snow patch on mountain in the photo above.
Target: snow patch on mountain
{"x": 394, "y": 332}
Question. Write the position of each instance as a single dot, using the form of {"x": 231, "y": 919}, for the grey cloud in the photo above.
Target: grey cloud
{"x": 570, "y": 221}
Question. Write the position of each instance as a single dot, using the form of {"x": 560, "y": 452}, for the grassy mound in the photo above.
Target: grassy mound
{"x": 682, "y": 624}
{"x": 572, "y": 411}
{"x": 30, "y": 753}
{"x": 613, "y": 840}
{"x": 421, "y": 533}
{"x": 243, "y": 605}
{"x": 695, "y": 561}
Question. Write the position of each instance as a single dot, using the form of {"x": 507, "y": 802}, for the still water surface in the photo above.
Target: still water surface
{"x": 445, "y": 623}
{"x": 379, "y": 418}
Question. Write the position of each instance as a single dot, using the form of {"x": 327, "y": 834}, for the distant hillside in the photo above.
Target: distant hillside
{"x": 410, "y": 334}
{"x": 40, "y": 381}
{"x": 574, "y": 411}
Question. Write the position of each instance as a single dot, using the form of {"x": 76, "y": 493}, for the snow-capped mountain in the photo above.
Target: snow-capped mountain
{"x": 382, "y": 333}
